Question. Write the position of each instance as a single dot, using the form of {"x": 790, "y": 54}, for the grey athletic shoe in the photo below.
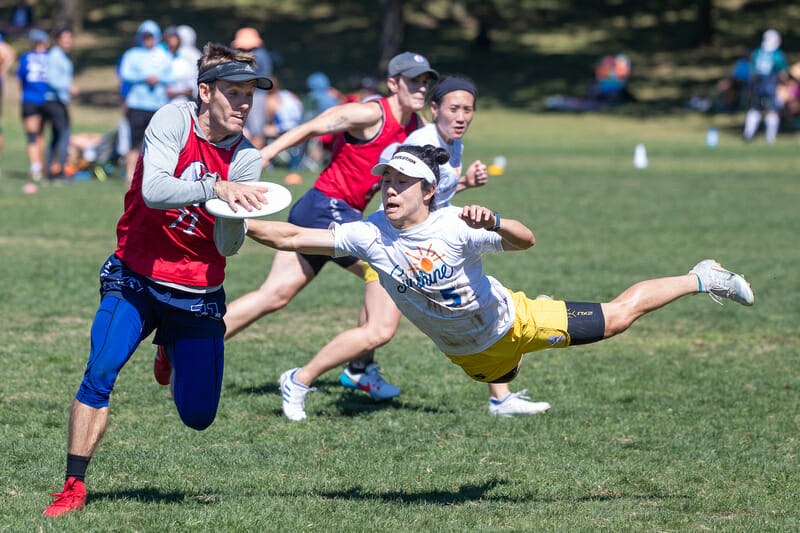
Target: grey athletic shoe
{"x": 293, "y": 396}
{"x": 720, "y": 283}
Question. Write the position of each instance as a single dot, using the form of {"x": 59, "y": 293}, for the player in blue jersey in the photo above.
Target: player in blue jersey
{"x": 32, "y": 73}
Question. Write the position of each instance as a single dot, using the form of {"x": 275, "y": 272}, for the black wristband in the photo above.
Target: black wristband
{"x": 496, "y": 222}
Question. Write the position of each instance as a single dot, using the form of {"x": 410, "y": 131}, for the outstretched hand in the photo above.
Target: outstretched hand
{"x": 478, "y": 217}
{"x": 235, "y": 193}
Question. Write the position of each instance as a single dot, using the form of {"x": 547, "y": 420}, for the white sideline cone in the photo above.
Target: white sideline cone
{"x": 640, "y": 156}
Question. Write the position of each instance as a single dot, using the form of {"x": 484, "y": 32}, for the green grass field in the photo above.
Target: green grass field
{"x": 687, "y": 422}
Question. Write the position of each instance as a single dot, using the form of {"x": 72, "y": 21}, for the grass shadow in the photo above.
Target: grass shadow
{"x": 151, "y": 495}
{"x": 346, "y": 403}
{"x": 480, "y": 492}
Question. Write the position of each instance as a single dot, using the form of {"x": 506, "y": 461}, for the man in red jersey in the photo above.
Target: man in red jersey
{"x": 167, "y": 271}
{"x": 340, "y": 194}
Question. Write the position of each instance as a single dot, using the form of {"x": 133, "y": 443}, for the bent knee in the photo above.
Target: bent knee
{"x": 378, "y": 335}
{"x": 197, "y": 419}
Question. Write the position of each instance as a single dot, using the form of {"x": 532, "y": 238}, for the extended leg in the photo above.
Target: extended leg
{"x": 382, "y": 319}
{"x": 116, "y": 332}
{"x": 707, "y": 276}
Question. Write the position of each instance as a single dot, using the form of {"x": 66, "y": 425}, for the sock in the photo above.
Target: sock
{"x": 76, "y": 466}
{"x": 771, "y": 123}
{"x": 751, "y": 121}
{"x": 359, "y": 365}
{"x": 498, "y": 401}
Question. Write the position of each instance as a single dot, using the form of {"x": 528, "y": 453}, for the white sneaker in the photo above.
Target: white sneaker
{"x": 370, "y": 381}
{"x": 293, "y": 396}
{"x": 516, "y": 403}
{"x": 720, "y": 283}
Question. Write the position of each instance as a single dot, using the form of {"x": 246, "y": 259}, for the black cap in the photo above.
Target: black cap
{"x": 234, "y": 71}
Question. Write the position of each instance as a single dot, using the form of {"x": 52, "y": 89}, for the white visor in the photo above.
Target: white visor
{"x": 407, "y": 164}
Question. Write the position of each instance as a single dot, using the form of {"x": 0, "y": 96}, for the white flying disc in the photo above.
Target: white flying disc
{"x": 278, "y": 199}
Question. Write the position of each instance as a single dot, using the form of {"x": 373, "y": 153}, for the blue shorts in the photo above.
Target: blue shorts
{"x": 765, "y": 94}
{"x": 189, "y": 325}
{"x": 315, "y": 210}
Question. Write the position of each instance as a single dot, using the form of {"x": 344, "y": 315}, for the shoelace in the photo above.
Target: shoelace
{"x": 712, "y": 292}
{"x": 718, "y": 290}
{"x": 521, "y": 395}
{"x": 65, "y": 497}
{"x": 375, "y": 373}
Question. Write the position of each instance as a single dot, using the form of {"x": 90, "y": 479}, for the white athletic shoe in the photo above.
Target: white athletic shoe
{"x": 293, "y": 396}
{"x": 720, "y": 283}
{"x": 516, "y": 403}
{"x": 370, "y": 381}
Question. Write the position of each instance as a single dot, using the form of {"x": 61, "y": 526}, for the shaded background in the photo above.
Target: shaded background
{"x": 519, "y": 52}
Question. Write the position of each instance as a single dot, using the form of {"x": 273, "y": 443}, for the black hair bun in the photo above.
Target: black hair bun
{"x": 433, "y": 153}
{"x": 442, "y": 156}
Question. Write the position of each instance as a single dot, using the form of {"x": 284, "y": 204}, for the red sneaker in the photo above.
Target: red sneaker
{"x": 162, "y": 367}
{"x": 72, "y": 498}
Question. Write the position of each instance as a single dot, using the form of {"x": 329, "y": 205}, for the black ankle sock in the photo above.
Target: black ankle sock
{"x": 76, "y": 466}
{"x": 359, "y": 365}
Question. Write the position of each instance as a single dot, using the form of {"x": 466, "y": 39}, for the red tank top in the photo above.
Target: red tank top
{"x": 348, "y": 177}
{"x": 175, "y": 245}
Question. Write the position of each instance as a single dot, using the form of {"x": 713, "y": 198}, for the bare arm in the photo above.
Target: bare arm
{"x": 7, "y": 58}
{"x": 515, "y": 234}
{"x": 345, "y": 117}
{"x": 291, "y": 238}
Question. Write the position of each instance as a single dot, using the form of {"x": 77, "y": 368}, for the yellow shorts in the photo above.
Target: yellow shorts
{"x": 538, "y": 324}
{"x": 369, "y": 273}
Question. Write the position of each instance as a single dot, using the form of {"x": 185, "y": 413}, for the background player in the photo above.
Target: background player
{"x": 340, "y": 194}
{"x": 453, "y": 102}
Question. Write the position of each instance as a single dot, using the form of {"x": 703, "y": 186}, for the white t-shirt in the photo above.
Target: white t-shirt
{"x": 449, "y": 173}
{"x": 434, "y": 273}
{"x": 290, "y": 113}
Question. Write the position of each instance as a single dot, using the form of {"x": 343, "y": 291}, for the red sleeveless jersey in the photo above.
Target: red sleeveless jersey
{"x": 348, "y": 177}
{"x": 175, "y": 245}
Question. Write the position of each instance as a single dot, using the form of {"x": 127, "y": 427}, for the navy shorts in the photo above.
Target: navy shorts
{"x": 765, "y": 93}
{"x": 138, "y": 120}
{"x": 29, "y": 110}
{"x": 172, "y": 313}
{"x": 315, "y": 210}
